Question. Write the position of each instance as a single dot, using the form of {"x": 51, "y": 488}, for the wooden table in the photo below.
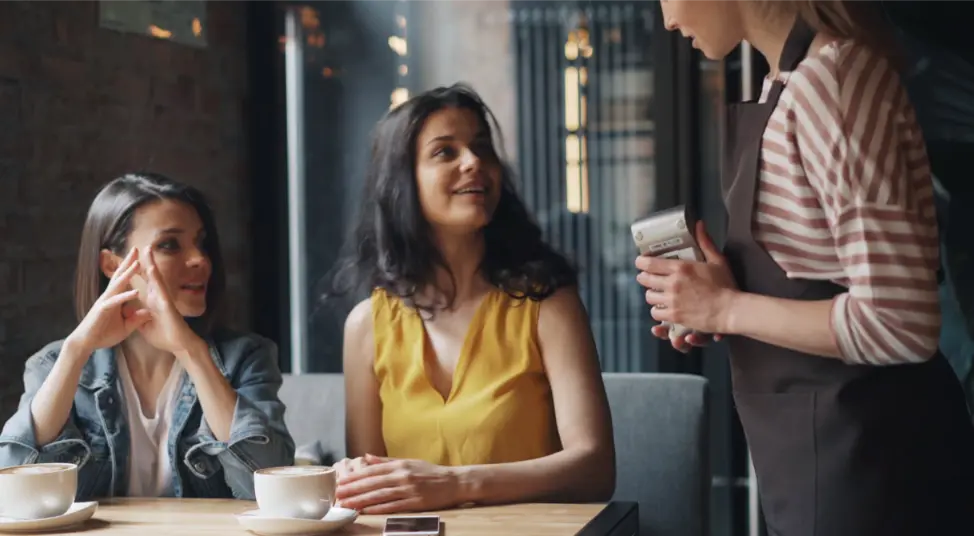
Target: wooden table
{"x": 186, "y": 517}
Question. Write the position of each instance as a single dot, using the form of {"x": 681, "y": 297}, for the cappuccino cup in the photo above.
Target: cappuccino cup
{"x": 303, "y": 492}
{"x": 37, "y": 491}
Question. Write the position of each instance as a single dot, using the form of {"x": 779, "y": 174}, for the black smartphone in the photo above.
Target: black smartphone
{"x": 412, "y": 526}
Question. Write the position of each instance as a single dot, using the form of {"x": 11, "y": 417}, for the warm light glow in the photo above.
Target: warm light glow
{"x": 578, "y": 44}
{"x": 401, "y": 21}
{"x": 309, "y": 18}
{"x": 399, "y": 96}
{"x": 571, "y": 99}
{"x": 583, "y": 143}
{"x": 327, "y": 72}
{"x": 197, "y": 27}
{"x": 316, "y": 40}
{"x": 398, "y": 45}
{"x": 583, "y": 43}
{"x": 573, "y": 197}
{"x": 576, "y": 174}
{"x": 573, "y": 153}
{"x": 576, "y": 112}
{"x": 403, "y": 70}
{"x": 571, "y": 50}
{"x": 156, "y": 31}
{"x": 573, "y": 174}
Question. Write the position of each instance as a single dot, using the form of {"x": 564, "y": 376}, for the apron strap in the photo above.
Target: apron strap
{"x": 796, "y": 46}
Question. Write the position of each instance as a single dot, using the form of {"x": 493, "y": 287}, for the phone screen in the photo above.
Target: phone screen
{"x": 413, "y": 525}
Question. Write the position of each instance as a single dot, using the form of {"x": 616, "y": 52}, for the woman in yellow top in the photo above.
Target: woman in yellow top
{"x": 471, "y": 373}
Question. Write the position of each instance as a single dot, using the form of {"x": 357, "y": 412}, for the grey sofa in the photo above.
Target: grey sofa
{"x": 660, "y": 424}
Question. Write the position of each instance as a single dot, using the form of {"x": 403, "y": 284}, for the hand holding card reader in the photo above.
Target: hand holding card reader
{"x": 412, "y": 526}
{"x": 669, "y": 234}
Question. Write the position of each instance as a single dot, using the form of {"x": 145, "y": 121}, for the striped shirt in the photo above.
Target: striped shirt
{"x": 846, "y": 194}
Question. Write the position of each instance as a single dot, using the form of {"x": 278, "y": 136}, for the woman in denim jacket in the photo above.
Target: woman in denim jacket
{"x": 147, "y": 395}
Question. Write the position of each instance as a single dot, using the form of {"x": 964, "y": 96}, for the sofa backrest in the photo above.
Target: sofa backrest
{"x": 660, "y": 425}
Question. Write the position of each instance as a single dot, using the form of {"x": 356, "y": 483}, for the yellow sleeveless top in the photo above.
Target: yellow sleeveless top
{"x": 499, "y": 408}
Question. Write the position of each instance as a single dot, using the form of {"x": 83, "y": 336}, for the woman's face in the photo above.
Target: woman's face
{"x": 173, "y": 232}
{"x": 458, "y": 174}
{"x": 713, "y": 25}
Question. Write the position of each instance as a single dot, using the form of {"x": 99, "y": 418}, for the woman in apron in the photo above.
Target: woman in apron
{"x": 826, "y": 289}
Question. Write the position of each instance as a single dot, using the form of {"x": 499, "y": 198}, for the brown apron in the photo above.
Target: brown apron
{"x": 838, "y": 449}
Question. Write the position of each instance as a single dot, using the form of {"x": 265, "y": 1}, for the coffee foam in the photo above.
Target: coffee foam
{"x": 295, "y": 471}
{"x": 33, "y": 469}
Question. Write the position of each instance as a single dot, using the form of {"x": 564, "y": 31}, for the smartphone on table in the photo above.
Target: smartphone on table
{"x": 412, "y": 526}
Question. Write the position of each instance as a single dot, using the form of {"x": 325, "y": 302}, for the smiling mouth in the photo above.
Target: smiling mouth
{"x": 474, "y": 190}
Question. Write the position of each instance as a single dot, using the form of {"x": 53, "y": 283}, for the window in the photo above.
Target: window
{"x": 572, "y": 86}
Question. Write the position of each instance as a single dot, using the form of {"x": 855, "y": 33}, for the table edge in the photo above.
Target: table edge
{"x": 612, "y": 518}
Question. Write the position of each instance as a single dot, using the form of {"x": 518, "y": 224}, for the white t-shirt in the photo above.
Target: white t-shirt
{"x": 149, "y": 467}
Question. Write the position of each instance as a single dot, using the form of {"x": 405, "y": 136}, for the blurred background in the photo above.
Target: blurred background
{"x": 268, "y": 107}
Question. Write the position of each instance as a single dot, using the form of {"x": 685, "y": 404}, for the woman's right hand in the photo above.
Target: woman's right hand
{"x": 109, "y": 322}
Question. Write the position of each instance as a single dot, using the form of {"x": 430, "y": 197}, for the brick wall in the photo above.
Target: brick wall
{"x": 80, "y": 105}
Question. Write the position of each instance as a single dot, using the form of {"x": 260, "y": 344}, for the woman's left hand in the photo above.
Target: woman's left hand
{"x": 167, "y": 330}
{"x": 694, "y": 294}
{"x": 389, "y": 486}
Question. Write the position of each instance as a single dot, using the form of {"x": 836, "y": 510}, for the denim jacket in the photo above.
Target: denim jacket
{"x": 96, "y": 437}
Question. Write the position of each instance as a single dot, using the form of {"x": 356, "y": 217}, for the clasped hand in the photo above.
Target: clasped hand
{"x": 694, "y": 294}
{"x": 378, "y": 485}
{"x": 117, "y": 313}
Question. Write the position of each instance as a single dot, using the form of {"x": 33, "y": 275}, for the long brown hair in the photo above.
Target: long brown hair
{"x": 863, "y": 21}
{"x": 109, "y": 224}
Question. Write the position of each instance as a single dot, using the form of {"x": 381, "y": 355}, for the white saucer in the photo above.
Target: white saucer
{"x": 336, "y": 518}
{"x": 77, "y": 514}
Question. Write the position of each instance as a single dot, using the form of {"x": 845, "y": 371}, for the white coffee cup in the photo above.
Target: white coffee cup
{"x": 305, "y": 491}
{"x": 37, "y": 491}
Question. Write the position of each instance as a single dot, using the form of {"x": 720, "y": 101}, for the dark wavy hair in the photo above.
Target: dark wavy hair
{"x": 392, "y": 246}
